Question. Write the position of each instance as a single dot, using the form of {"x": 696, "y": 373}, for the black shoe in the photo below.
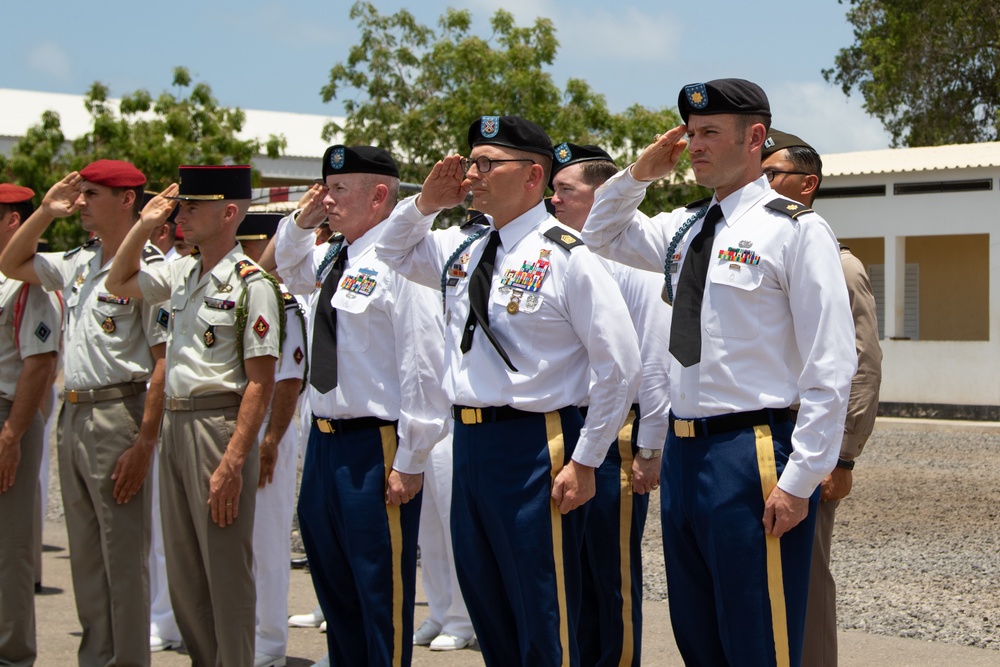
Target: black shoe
{"x": 300, "y": 563}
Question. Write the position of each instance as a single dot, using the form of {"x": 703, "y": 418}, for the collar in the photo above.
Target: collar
{"x": 223, "y": 273}
{"x": 515, "y": 230}
{"x": 744, "y": 199}
{"x": 365, "y": 243}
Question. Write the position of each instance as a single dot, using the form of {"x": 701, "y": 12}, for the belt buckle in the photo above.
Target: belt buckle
{"x": 325, "y": 426}
{"x": 684, "y": 428}
{"x": 172, "y": 404}
{"x": 71, "y": 395}
{"x": 472, "y": 416}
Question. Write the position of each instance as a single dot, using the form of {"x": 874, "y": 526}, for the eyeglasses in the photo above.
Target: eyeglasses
{"x": 771, "y": 172}
{"x": 485, "y": 164}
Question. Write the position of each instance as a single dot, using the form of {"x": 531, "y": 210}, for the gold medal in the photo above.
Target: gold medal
{"x": 108, "y": 325}
{"x": 513, "y": 307}
{"x": 515, "y": 302}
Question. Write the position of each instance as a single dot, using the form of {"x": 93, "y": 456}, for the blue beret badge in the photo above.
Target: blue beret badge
{"x": 489, "y": 126}
{"x": 697, "y": 95}
{"x": 337, "y": 158}
{"x": 563, "y": 153}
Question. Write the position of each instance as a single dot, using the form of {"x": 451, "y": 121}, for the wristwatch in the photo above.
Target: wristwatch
{"x": 845, "y": 464}
{"x": 649, "y": 454}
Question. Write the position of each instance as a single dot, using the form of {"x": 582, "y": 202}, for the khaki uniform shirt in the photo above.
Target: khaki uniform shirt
{"x": 107, "y": 338}
{"x": 201, "y": 318}
{"x": 29, "y": 325}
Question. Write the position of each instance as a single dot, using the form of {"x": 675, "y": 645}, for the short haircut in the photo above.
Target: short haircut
{"x": 596, "y": 172}
{"x": 745, "y": 121}
{"x": 25, "y": 208}
{"x": 390, "y": 182}
{"x": 807, "y": 160}
{"x": 137, "y": 203}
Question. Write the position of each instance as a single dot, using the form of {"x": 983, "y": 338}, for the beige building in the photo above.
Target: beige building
{"x": 926, "y": 224}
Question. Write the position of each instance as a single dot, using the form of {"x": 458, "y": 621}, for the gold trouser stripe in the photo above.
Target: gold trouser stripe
{"x": 775, "y": 579}
{"x": 557, "y": 452}
{"x": 625, "y": 538}
{"x": 396, "y": 542}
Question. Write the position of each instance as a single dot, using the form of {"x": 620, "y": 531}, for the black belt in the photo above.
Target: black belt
{"x": 332, "y": 426}
{"x": 736, "y": 421}
{"x": 500, "y": 413}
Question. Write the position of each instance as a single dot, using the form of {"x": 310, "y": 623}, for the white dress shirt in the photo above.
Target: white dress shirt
{"x": 776, "y": 322}
{"x": 572, "y": 323}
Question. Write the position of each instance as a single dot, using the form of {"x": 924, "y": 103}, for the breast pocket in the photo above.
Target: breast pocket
{"x": 515, "y": 317}
{"x": 353, "y": 320}
{"x": 735, "y": 291}
{"x": 217, "y": 332}
{"x": 115, "y": 319}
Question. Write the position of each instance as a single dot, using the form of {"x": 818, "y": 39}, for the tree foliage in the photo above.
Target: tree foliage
{"x": 415, "y": 90}
{"x": 156, "y": 135}
{"x": 929, "y": 70}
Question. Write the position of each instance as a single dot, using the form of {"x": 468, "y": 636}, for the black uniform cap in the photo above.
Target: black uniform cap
{"x": 342, "y": 159}
{"x": 258, "y": 226}
{"x": 214, "y": 183}
{"x": 510, "y": 131}
{"x": 778, "y": 140}
{"x": 737, "y": 96}
{"x": 567, "y": 154}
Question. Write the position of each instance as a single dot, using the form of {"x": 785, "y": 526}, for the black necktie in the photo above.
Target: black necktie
{"x": 323, "y": 360}
{"x": 479, "y": 300}
{"x": 685, "y": 326}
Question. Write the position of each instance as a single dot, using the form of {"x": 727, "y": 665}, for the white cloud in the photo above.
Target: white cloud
{"x": 49, "y": 59}
{"x": 823, "y": 116}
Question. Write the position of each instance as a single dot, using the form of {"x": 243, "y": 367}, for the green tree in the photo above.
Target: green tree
{"x": 155, "y": 135}
{"x": 929, "y": 70}
{"x": 415, "y": 90}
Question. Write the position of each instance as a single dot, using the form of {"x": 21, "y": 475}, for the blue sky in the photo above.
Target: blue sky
{"x": 276, "y": 55}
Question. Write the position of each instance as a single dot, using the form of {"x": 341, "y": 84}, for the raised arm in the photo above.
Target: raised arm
{"x": 123, "y": 278}
{"x": 17, "y": 260}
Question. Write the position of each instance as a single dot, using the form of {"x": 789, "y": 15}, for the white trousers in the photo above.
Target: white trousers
{"x": 437, "y": 559}
{"x": 161, "y": 614}
{"x": 272, "y": 545}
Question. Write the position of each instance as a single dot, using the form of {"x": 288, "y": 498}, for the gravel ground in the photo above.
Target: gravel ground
{"x": 917, "y": 543}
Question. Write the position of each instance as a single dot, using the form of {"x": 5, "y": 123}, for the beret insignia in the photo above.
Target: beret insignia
{"x": 697, "y": 95}
{"x": 489, "y": 126}
{"x": 563, "y": 153}
{"x": 337, "y": 158}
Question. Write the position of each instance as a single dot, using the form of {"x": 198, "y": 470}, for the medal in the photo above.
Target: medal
{"x": 108, "y": 325}
{"x": 210, "y": 336}
{"x": 515, "y": 302}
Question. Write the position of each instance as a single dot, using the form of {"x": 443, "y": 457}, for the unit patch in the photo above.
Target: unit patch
{"x": 42, "y": 332}
{"x": 298, "y": 355}
{"x": 163, "y": 318}
{"x": 261, "y": 326}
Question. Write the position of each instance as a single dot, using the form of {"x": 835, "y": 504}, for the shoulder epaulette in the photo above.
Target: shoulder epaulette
{"x": 247, "y": 269}
{"x": 792, "y": 209}
{"x": 563, "y": 237}
{"x": 151, "y": 254}
{"x": 474, "y": 217}
{"x": 289, "y": 300}
{"x": 195, "y": 251}
{"x": 704, "y": 201}
{"x": 89, "y": 244}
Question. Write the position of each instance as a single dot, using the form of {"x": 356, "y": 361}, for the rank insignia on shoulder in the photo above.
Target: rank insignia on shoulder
{"x": 89, "y": 244}
{"x": 219, "y": 304}
{"x": 261, "y": 326}
{"x": 70, "y": 253}
{"x": 151, "y": 254}
{"x": 563, "y": 238}
{"x": 108, "y": 325}
{"x": 792, "y": 209}
{"x": 246, "y": 268}
{"x": 42, "y": 332}
{"x": 288, "y": 299}
{"x": 210, "y": 336}
{"x": 163, "y": 318}
{"x": 698, "y": 203}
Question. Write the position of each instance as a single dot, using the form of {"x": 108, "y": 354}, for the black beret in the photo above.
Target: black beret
{"x": 567, "y": 154}
{"x": 342, "y": 159}
{"x": 737, "y": 96}
{"x": 214, "y": 183}
{"x": 510, "y": 131}
{"x": 778, "y": 140}
{"x": 258, "y": 226}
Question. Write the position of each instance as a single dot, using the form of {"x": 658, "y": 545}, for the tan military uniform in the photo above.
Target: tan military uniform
{"x": 209, "y": 569}
{"x": 107, "y": 363}
{"x": 29, "y": 325}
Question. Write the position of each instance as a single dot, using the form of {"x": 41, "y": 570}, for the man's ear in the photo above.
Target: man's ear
{"x": 809, "y": 185}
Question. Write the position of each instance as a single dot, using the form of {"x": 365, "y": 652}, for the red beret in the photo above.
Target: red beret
{"x": 14, "y": 194}
{"x": 113, "y": 173}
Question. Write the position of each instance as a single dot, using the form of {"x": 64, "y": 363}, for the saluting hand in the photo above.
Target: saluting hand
{"x": 312, "y": 209}
{"x": 660, "y": 157}
{"x": 445, "y": 187}
{"x": 61, "y": 199}
{"x": 157, "y": 210}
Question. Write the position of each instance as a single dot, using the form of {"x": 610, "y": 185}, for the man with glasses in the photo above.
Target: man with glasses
{"x": 528, "y": 312}
{"x": 760, "y": 323}
{"x": 795, "y": 171}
